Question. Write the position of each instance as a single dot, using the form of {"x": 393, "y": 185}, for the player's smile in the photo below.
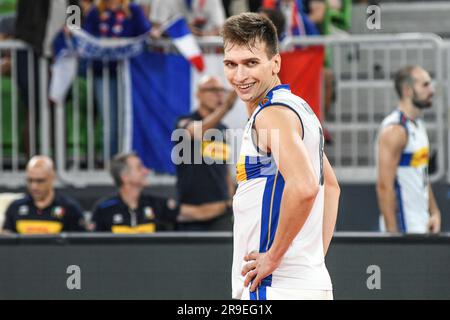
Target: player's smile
{"x": 244, "y": 88}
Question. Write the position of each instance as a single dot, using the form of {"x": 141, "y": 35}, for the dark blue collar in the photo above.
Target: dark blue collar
{"x": 269, "y": 94}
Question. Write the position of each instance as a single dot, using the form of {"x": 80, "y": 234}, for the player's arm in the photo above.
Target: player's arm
{"x": 434, "y": 224}
{"x": 317, "y": 11}
{"x": 196, "y": 129}
{"x": 279, "y": 131}
{"x": 332, "y": 192}
{"x": 391, "y": 143}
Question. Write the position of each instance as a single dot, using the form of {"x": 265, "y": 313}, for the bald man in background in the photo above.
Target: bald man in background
{"x": 203, "y": 176}
{"x": 42, "y": 210}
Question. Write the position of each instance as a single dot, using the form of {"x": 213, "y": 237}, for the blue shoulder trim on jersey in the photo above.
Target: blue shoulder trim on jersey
{"x": 108, "y": 203}
{"x": 267, "y": 99}
{"x": 403, "y": 120}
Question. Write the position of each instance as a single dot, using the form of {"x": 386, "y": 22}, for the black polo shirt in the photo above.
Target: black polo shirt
{"x": 153, "y": 214}
{"x": 64, "y": 214}
{"x": 205, "y": 181}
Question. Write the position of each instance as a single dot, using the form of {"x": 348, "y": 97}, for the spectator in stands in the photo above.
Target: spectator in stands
{"x": 338, "y": 16}
{"x": 315, "y": 9}
{"x": 205, "y": 18}
{"x": 37, "y": 24}
{"x": 405, "y": 196}
{"x": 227, "y": 7}
{"x": 113, "y": 19}
{"x": 86, "y": 6}
{"x": 131, "y": 211}
{"x": 298, "y": 15}
{"x": 43, "y": 210}
{"x": 207, "y": 182}
{"x": 145, "y": 5}
{"x": 336, "y": 21}
{"x": 254, "y": 5}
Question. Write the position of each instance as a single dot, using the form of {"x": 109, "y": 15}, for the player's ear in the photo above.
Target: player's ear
{"x": 276, "y": 61}
{"x": 407, "y": 90}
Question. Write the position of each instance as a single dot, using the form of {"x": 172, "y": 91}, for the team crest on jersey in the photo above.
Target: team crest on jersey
{"x": 58, "y": 212}
{"x": 117, "y": 218}
{"x": 23, "y": 210}
{"x": 148, "y": 212}
{"x": 264, "y": 101}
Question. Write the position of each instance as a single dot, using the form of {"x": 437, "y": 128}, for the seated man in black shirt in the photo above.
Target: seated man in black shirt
{"x": 204, "y": 183}
{"x": 42, "y": 210}
{"x": 130, "y": 211}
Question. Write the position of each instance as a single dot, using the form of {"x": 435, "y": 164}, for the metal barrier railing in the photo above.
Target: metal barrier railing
{"x": 24, "y": 112}
{"x": 362, "y": 67}
{"x": 83, "y": 153}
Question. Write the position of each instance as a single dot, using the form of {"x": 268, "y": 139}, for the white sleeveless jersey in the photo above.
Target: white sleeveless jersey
{"x": 411, "y": 183}
{"x": 256, "y": 206}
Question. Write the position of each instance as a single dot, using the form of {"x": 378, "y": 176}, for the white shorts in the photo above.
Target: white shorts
{"x": 270, "y": 293}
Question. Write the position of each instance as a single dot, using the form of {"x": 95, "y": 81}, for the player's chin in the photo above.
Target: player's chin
{"x": 246, "y": 97}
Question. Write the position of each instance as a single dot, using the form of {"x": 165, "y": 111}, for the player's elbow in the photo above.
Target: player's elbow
{"x": 383, "y": 187}
{"x": 305, "y": 192}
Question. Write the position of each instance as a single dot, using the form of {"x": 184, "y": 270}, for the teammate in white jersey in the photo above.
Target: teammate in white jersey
{"x": 405, "y": 197}
{"x": 286, "y": 204}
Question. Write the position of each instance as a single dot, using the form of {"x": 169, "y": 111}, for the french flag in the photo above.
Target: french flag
{"x": 178, "y": 30}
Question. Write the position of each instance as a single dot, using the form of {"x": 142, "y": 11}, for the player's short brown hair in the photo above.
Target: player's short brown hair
{"x": 247, "y": 28}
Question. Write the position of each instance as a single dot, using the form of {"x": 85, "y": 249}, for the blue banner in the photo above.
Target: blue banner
{"x": 88, "y": 46}
{"x": 161, "y": 93}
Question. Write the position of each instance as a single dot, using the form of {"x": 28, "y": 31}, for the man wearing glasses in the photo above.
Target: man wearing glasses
{"x": 203, "y": 177}
{"x": 42, "y": 210}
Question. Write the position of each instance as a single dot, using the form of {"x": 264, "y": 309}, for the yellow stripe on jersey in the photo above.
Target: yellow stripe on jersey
{"x": 38, "y": 227}
{"x": 142, "y": 228}
{"x": 420, "y": 158}
{"x": 241, "y": 173}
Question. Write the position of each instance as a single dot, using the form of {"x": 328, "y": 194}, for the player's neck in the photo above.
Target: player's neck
{"x": 130, "y": 195}
{"x": 409, "y": 109}
{"x": 46, "y": 202}
{"x": 251, "y": 106}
